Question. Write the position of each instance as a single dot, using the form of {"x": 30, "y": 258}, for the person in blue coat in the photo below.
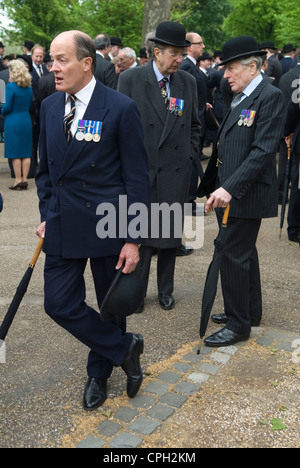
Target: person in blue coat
{"x": 83, "y": 172}
{"x": 17, "y": 123}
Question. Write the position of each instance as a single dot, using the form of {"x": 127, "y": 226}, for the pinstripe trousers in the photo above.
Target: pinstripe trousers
{"x": 240, "y": 275}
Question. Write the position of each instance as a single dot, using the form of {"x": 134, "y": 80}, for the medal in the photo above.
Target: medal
{"x": 242, "y": 118}
{"x": 80, "y": 130}
{"x": 97, "y": 135}
{"x": 251, "y": 119}
{"x": 88, "y": 135}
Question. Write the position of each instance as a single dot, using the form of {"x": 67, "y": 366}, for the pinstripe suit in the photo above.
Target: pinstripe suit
{"x": 246, "y": 170}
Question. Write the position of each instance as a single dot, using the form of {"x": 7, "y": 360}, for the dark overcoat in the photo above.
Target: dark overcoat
{"x": 172, "y": 141}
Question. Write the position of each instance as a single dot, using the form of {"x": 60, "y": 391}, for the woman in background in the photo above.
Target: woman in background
{"x": 17, "y": 123}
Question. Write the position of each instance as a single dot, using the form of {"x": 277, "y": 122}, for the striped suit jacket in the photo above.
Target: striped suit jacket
{"x": 243, "y": 161}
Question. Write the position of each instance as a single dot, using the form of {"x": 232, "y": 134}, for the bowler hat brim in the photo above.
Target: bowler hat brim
{"x": 125, "y": 295}
{"x": 258, "y": 53}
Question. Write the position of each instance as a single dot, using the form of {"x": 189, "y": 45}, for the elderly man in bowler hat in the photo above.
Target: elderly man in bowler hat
{"x": 242, "y": 172}
{"x": 167, "y": 100}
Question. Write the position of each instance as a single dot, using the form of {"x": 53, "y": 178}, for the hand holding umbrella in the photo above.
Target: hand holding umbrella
{"x": 21, "y": 290}
{"x": 211, "y": 282}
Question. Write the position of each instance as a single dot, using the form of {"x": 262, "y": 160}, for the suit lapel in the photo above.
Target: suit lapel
{"x": 153, "y": 93}
{"x": 96, "y": 110}
{"x": 232, "y": 117}
{"x": 176, "y": 91}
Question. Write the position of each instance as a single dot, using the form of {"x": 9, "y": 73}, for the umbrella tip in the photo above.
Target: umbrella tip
{"x": 199, "y": 346}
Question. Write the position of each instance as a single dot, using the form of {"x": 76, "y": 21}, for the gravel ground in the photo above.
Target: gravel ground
{"x": 42, "y": 382}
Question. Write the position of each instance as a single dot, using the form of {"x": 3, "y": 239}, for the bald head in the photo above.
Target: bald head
{"x": 74, "y": 60}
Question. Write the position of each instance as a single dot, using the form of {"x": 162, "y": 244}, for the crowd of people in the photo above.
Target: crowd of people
{"x": 146, "y": 141}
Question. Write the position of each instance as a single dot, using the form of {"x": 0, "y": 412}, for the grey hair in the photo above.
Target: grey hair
{"x": 129, "y": 53}
{"x": 255, "y": 58}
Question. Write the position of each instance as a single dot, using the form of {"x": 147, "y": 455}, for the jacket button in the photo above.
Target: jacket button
{"x": 88, "y": 204}
{"x": 83, "y": 184}
{"x": 60, "y": 183}
{"x": 50, "y": 161}
{"x": 177, "y": 169}
{"x": 92, "y": 164}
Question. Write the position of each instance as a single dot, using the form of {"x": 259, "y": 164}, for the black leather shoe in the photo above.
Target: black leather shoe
{"x": 223, "y": 319}
{"x": 183, "y": 251}
{"x": 140, "y": 309}
{"x": 225, "y": 337}
{"x": 95, "y": 393}
{"x": 132, "y": 367}
{"x": 166, "y": 302}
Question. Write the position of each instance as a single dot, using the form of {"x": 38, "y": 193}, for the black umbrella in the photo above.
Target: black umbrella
{"x": 286, "y": 186}
{"x": 21, "y": 290}
{"x": 211, "y": 282}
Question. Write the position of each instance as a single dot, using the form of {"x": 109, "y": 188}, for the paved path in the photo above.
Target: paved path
{"x": 222, "y": 398}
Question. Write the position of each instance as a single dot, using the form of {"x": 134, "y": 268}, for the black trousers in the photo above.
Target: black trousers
{"x": 65, "y": 304}
{"x": 166, "y": 259}
{"x": 240, "y": 275}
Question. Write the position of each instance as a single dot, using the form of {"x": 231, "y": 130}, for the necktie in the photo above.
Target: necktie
{"x": 68, "y": 119}
{"x": 41, "y": 71}
{"x": 163, "y": 90}
{"x": 236, "y": 100}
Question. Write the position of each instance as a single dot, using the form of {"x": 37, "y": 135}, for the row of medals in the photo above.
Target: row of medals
{"x": 245, "y": 120}
{"x": 81, "y": 135}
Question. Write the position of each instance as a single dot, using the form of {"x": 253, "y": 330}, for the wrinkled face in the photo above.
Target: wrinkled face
{"x": 168, "y": 59}
{"x": 124, "y": 62}
{"x": 239, "y": 76}
{"x": 71, "y": 74}
{"x": 38, "y": 56}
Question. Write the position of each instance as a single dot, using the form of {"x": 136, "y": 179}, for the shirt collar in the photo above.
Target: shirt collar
{"x": 158, "y": 74}
{"x": 252, "y": 85}
{"x": 192, "y": 59}
{"x": 85, "y": 94}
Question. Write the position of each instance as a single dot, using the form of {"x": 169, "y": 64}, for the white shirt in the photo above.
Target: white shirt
{"x": 83, "y": 98}
{"x": 192, "y": 59}
{"x": 251, "y": 86}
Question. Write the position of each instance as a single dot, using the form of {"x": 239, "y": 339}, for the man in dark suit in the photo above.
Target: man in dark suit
{"x": 288, "y": 84}
{"x": 190, "y": 66}
{"x": 287, "y": 62}
{"x": 167, "y": 100}
{"x": 2, "y": 67}
{"x": 105, "y": 71}
{"x": 274, "y": 68}
{"x": 242, "y": 172}
{"x": 82, "y": 173}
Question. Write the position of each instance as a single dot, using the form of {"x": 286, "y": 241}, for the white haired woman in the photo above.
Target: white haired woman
{"x": 17, "y": 123}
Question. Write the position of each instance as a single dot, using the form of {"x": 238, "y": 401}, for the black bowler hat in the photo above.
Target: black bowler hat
{"x": 288, "y": 48}
{"x": 171, "y": 33}
{"x": 125, "y": 295}
{"x": 1, "y": 44}
{"x": 267, "y": 45}
{"x": 28, "y": 44}
{"x": 114, "y": 40}
{"x": 205, "y": 56}
{"x": 239, "y": 48}
{"x": 27, "y": 59}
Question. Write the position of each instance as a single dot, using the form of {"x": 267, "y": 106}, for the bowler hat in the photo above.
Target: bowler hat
{"x": 239, "y": 48}
{"x": 267, "y": 45}
{"x": 115, "y": 41}
{"x": 171, "y": 33}
{"x": 205, "y": 56}
{"x": 28, "y": 44}
{"x": 288, "y": 48}
{"x": 125, "y": 295}
{"x": 1, "y": 44}
{"x": 27, "y": 59}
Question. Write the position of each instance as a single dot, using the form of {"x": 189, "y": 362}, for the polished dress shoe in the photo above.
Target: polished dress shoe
{"x": 225, "y": 337}
{"x": 223, "y": 318}
{"x": 132, "y": 367}
{"x": 183, "y": 251}
{"x": 95, "y": 393}
{"x": 167, "y": 302}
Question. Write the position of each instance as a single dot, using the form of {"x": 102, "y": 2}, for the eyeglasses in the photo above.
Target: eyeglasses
{"x": 198, "y": 43}
{"x": 175, "y": 55}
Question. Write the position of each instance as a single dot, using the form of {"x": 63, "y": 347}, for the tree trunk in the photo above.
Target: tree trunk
{"x": 155, "y": 11}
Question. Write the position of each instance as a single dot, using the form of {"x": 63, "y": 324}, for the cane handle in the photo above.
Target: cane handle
{"x": 225, "y": 216}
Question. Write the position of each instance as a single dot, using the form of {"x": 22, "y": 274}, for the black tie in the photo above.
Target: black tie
{"x": 68, "y": 119}
{"x": 163, "y": 89}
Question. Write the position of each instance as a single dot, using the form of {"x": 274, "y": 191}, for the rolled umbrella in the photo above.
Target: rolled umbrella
{"x": 211, "y": 282}
{"x": 287, "y": 178}
{"x": 20, "y": 292}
